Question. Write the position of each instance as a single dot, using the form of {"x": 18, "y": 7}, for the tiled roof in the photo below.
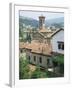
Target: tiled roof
{"x": 42, "y": 49}
{"x": 24, "y": 45}
{"x": 39, "y": 48}
{"x": 43, "y": 30}
{"x": 46, "y": 33}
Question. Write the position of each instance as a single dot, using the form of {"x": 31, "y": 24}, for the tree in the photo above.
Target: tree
{"x": 23, "y": 68}
{"x": 58, "y": 61}
{"x": 28, "y": 37}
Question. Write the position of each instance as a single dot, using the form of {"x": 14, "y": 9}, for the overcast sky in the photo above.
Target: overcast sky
{"x": 35, "y": 15}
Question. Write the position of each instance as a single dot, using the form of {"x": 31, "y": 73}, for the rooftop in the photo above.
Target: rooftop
{"x": 39, "y": 48}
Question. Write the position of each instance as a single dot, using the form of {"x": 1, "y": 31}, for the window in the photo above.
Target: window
{"x": 34, "y": 58}
{"x": 48, "y": 60}
{"x": 61, "y": 45}
{"x": 29, "y": 57}
{"x": 21, "y": 51}
{"x": 40, "y": 59}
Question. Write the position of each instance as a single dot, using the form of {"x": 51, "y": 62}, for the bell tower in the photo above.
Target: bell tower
{"x": 41, "y": 22}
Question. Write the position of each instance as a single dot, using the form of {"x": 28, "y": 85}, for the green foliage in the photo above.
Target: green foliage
{"x": 23, "y": 68}
{"x": 39, "y": 74}
{"x": 24, "y": 36}
{"x": 58, "y": 58}
{"x": 61, "y": 68}
{"x": 58, "y": 61}
{"x": 26, "y": 73}
{"x": 28, "y": 37}
{"x": 53, "y": 74}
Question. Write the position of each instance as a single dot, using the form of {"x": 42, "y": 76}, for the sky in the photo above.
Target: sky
{"x": 35, "y": 14}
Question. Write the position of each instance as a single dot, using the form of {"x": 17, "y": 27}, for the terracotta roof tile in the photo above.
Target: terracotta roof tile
{"x": 40, "y": 48}
{"x": 43, "y": 30}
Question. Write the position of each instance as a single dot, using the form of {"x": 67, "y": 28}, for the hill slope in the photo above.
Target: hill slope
{"x": 28, "y": 21}
{"x": 57, "y": 22}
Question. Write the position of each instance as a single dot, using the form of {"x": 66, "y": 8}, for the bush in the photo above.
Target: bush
{"x": 23, "y": 69}
{"x": 38, "y": 73}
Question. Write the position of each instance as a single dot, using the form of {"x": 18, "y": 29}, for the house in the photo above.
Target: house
{"x": 57, "y": 41}
{"x": 37, "y": 53}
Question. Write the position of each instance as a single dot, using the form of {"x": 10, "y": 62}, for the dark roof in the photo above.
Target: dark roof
{"x": 57, "y": 32}
{"x": 41, "y": 16}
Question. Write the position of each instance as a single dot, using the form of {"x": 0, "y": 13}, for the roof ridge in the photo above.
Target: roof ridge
{"x": 56, "y": 31}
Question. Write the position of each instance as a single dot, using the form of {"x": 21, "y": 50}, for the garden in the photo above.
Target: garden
{"x": 29, "y": 71}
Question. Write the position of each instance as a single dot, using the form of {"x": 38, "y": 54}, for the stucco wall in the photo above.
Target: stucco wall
{"x": 37, "y": 62}
{"x": 54, "y": 41}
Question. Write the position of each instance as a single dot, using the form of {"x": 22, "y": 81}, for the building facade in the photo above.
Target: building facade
{"x": 57, "y": 41}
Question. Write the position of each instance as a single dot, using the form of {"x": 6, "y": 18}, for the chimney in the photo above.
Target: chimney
{"x": 41, "y": 22}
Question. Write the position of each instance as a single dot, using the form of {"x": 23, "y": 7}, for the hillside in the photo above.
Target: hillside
{"x": 28, "y": 21}
{"x": 51, "y": 22}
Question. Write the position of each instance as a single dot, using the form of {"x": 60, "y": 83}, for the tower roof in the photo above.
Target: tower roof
{"x": 41, "y": 16}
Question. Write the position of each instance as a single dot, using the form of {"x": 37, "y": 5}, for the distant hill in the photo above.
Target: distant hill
{"x": 54, "y": 21}
{"x": 28, "y": 21}
{"x": 57, "y": 22}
